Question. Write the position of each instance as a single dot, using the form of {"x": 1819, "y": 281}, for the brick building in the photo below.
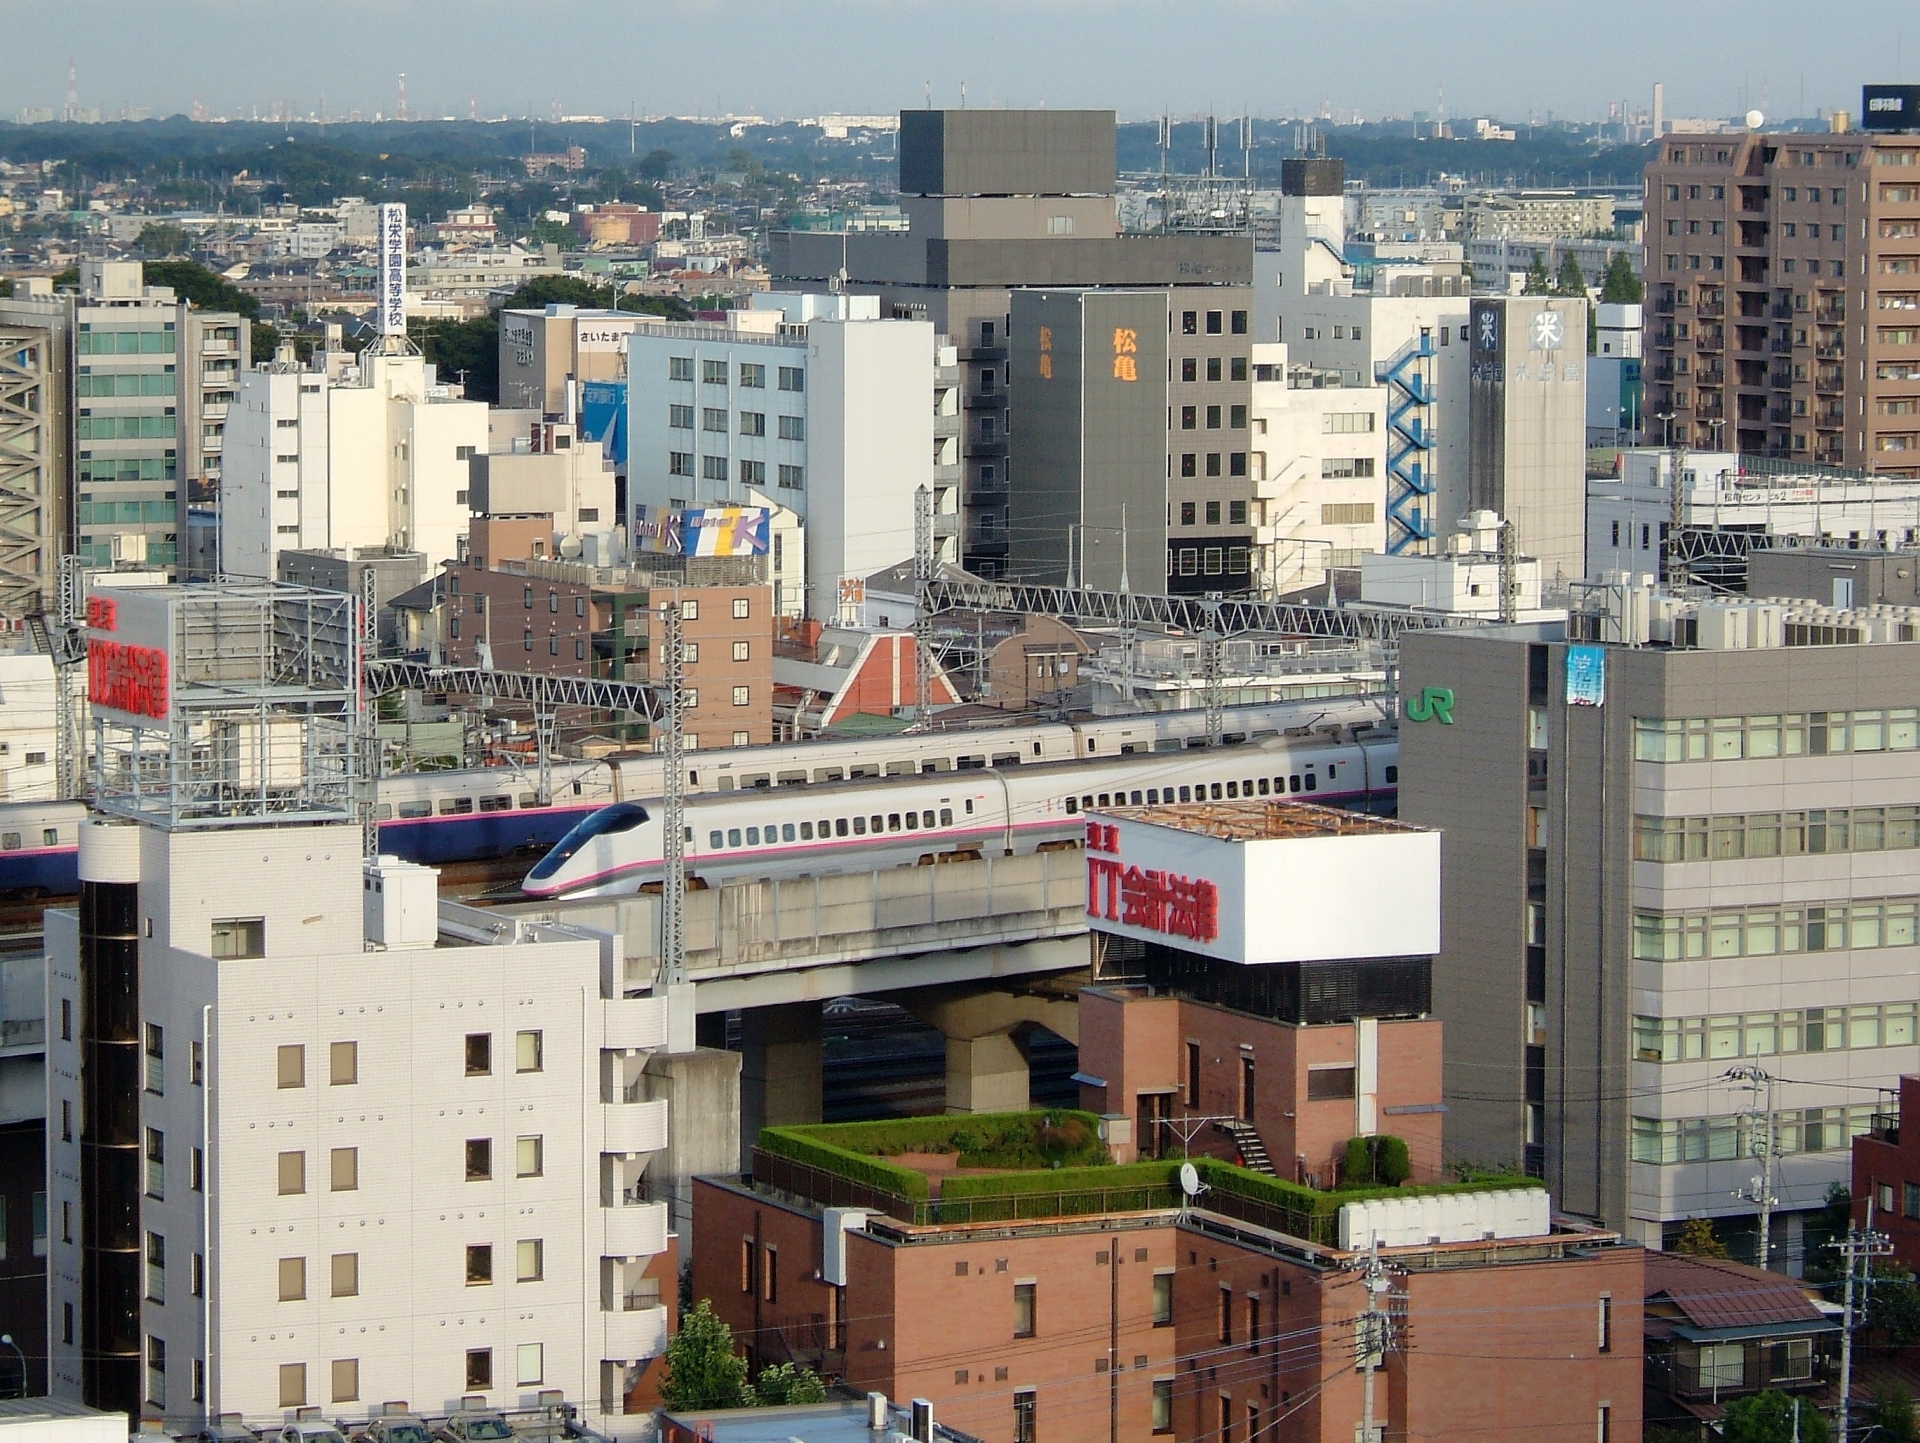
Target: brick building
{"x": 1783, "y": 279}
{"x": 1886, "y": 1172}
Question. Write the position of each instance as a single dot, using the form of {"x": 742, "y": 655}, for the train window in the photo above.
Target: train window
{"x": 1073, "y": 805}
{"x": 1293, "y": 784}
{"x": 859, "y": 826}
{"x": 900, "y": 769}
{"x": 913, "y": 821}
{"x": 761, "y": 780}
{"x": 806, "y": 831}
{"x": 496, "y": 804}
{"x": 1233, "y": 791}
{"x": 1086, "y": 802}
{"x": 840, "y": 827}
{"x": 1009, "y": 760}
{"x": 791, "y": 779}
{"x": 1106, "y": 800}
{"x": 828, "y": 774}
{"x": 1036, "y": 749}
{"x": 826, "y": 830}
{"x": 733, "y": 836}
{"x": 1393, "y": 775}
{"x": 946, "y": 816}
{"x": 893, "y": 822}
{"x": 876, "y": 821}
{"x": 688, "y": 831}
{"x": 753, "y": 836}
{"x": 10, "y": 842}
{"x": 383, "y": 813}
{"x": 1279, "y": 786}
{"x": 714, "y": 840}
{"x": 1312, "y": 783}
{"x": 786, "y": 831}
{"x": 934, "y": 764}
{"x": 1186, "y": 794}
{"x": 1264, "y": 786}
{"x": 969, "y": 806}
{"x": 856, "y": 773}
{"x": 926, "y": 819}
{"x": 532, "y": 799}
{"x": 1330, "y": 767}
{"x": 416, "y": 809}
{"x": 1246, "y": 787}
{"x": 1216, "y": 791}
{"x": 455, "y": 806}
{"x": 1136, "y": 799}
{"x": 1153, "y": 796}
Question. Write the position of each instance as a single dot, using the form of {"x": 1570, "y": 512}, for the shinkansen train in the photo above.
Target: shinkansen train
{"x": 893, "y": 821}
{"x": 458, "y": 816}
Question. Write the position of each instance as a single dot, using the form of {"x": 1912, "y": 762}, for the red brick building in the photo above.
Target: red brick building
{"x": 1886, "y": 1172}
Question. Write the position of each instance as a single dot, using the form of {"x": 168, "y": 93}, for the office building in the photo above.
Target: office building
{"x": 998, "y": 201}
{"x": 1783, "y": 277}
{"x": 352, "y": 451}
{"x": 542, "y": 351}
{"x": 815, "y": 404}
{"x": 1319, "y": 453}
{"x": 1688, "y": 847}
{"x": 1527, "y": 445}
{"x": 36, "y": 445}
{"x": 552, "y": 472}
{"x": 282, "y": 1176}
{"x": 1616, "y": 410}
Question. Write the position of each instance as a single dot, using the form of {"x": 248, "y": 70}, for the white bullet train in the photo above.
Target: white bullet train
{"x": 894, "y": 821}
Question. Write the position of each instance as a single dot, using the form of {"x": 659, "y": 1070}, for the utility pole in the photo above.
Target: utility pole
{"x": 1861, "y": 1247}
{"x": 1509, "y": 574}
{"x": 1676, "y": 509}
{"x": 1372, "y": 1335}
{"x": 923, "y": 568}
{"x": 673, "y": 890}
{"x": 1213, "y": 663}
{"x": 1759, "y": 1083}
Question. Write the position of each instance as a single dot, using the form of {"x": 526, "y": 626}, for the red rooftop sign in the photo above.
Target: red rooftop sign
{"x": 1157, "y": 901}
{"x": 123, "y": 676}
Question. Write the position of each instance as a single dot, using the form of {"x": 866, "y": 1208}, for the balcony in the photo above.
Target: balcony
{"x": 634, "y": 1334}
{"x": 1829, "y": 382}
{"x": 1831, "y": 316}
{"x": 1713, "y": 308}
{"x": 1780, "y": 348}
{"x": 986, "y": 400}
{"x": 1781, "y": 313}
{"x": 1710, "y": 340}
{"x": 635, "y": 1231}
{"x": 634, "y": 1126}
{"x": 634, "y": 1024}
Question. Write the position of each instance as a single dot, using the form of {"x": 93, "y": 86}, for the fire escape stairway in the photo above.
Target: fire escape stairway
{"x": 1246, "y": 1141}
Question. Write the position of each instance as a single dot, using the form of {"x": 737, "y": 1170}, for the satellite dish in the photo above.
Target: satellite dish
{"x": 1190, "y": 1180}
{"x": 1755, "y": 120}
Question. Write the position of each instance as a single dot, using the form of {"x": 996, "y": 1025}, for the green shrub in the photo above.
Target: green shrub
{"x": 800, "y": 1144}
{"x": 1063, "y": 1138}
{"x": 1066, "y": 1192}
{"x": 1375, "y": 1161}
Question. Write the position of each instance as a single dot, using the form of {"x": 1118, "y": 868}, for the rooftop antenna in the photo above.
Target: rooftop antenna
{"x": 1213, "y": 146}
{"x": 401, "y": 113}
{"x": 73, "y": 90}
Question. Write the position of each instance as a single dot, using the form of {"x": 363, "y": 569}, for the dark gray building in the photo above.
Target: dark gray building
{"x": 1004, "y": 200}
{"x": 1662, "y": 861}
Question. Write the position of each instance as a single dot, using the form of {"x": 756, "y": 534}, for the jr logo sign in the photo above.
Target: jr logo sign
{"x": 1435, "y": 703}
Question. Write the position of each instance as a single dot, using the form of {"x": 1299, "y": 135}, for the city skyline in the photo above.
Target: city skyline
{"x": 1135, "y": 56}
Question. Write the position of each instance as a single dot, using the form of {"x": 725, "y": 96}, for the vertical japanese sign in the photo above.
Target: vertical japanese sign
{"x": 1046, "y": 353}
{"x": 1126, "y": 349}
{"x": 1586, "y": 676}
{"x": 393, "y": 270}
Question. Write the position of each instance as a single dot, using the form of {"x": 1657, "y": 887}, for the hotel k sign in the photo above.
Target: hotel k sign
{"x": 1435, "y": 703}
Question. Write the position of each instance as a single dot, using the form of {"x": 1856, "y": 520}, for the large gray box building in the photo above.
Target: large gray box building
{"x": 1710, "y": 858}
{"x": 1007, "y": 152}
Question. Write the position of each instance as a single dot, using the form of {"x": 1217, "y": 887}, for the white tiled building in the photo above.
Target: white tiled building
{"x": 373, "y": 1166}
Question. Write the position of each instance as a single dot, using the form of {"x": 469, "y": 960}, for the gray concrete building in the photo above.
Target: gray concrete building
{"x": 36, "y": 371}
{"x": 1527, "y": 426}
{"x": 1689, "y": 847}
{"x": 999, "y": 201}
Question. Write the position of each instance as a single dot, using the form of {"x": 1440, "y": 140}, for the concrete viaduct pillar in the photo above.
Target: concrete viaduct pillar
{"x": 779, "y": 1069}
{"x": 986, "y": 1036}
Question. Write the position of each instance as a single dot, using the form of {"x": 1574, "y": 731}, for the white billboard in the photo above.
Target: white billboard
{"x": 393, "y": 270}
{"x": 1300, "y": 898}
{"x": 129, "y": 655}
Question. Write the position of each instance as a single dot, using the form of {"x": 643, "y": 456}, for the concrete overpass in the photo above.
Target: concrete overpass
{"x": 983, "y": 950}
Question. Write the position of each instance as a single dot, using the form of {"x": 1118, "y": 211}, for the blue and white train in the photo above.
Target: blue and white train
{"x": 481, "y": 814}
{"x": 894, "y": 821}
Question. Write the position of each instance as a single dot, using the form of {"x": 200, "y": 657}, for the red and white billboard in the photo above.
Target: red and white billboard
{"x": 129, "y": 676}
{"x": 1301, "y": 898}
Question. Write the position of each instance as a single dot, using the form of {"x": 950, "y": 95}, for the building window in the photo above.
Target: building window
{"x": 714, "y": 419}
{"x": 479, "y": 1369}
{"x": 1163, "y": 1405}
{"x": 793, "y": 428}
{"x": 156, "y": 1164}
{"x": 345, "y": 1279}
{"x": 343, "y": 1168}
{"x": 679, "y": 463}
{"x": 713, "y": 373}
{"x": 792, "y": 478}
{"x": 343, "y": 1064}
{"x": 528, "y": 1052}
{"x": 293, "y": 1385}
{"x": 1163, "y": 1300}
{"x": 742, "y": 608}
{"x": 346, "y": 1380}
{"x": 156, "y": 1268}
{"x": 235, "y": 937}
{"x": 529, "y": 1154}
{"x": 479, "y": 1159}
{"x": 713, "y": 468}
{"x": 1327, "y": 1084}
{"x": 479, "y": 1054}
{"x": 479, "y": 1264}
{"x": 1213, "y": 418}
{"x": 1193, "y": 1074}
{"x": 1240, "y": 323}
{"x": 1213, "y": 323}
{"x": 680, "y": 368}
{"x": 1605, "y": 1323}
{"x": 529, "y": 1260}
{"x": 1189, "y": 417}
{"x": 292, "y": 1173}
{"x": 753, "y": 423}
{"x": 753, "y": 473}
{"x": 293, "y": 1280}
{"x": 1023, "y": 1310}
{"x": 1213, "y": 464}
{"x": 680, "y": 418}
{"x": 752, "y": 376}
{"x": 794, "y": 378}
{"x": 741, "y": 696}
{"x": 1189, "y": 466}
{"x": 157, "y": 1372}
{"x": 1024, "y": 1408}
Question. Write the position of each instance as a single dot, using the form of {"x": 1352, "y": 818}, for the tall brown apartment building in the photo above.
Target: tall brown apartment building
{"x": 1783, "y": 279}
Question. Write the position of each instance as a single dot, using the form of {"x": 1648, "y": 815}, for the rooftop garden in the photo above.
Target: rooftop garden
{"x": 999, "y": 1167}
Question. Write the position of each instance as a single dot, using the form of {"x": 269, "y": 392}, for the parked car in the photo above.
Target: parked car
{"x": 308, "y": 1431}
{"x": 476, "y": 1426}
{"x": 395, "y": 1428}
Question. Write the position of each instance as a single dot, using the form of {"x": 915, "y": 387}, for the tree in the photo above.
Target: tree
{"x": 1380, "y": 1160}
{"x": 703, "y": 1371}
{"x": 193, "y": 282}
{"x": 157, "y": 239}
{"x": 467, "y": 352}
{"x": 1769, "y": 1418}
{"x": 1696, "y": 1240}
{"x": 1620, "y": 286}
{"x": 786, "y": 1383}
{"x": 1892, "y": 1413}
{"x": 655, "y": 165}
{"x": 1893, "y": 1305}
{"x": 1539, "y": 283}
{"x": 1571, "y": 281}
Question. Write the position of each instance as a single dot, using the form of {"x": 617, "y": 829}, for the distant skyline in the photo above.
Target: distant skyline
{"x": 779, "y": 58}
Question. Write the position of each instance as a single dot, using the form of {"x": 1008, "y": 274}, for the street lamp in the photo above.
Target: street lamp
{"x": 7, "y": 1338}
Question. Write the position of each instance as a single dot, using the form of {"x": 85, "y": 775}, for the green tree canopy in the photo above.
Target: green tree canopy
{"x": 193, "y": 282}
{"x": 1769, "y": 1418}
{"x": 1893, "y": 1305}
{"x": 703, "y": 1371}
{"x": 1539, "y": 283}
{"x": 574, "y": 291}
{"x": 1893, "y": 1413}
{"x": 786, "y": 1383}
{"x": 158, "y": 239}
{"x": 467, "y": 352}
{"x": 1696, "y": 1240}
{"x": 1571, "y": 281}
{"x": 1620, "y": 286}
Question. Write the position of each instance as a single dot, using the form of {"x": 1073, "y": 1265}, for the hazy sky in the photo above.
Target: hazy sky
{"x": 799, "y": 57}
